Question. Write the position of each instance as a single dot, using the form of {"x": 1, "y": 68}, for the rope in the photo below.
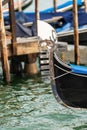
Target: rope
{"x": 67, "y": 72}
{"x": 61, "y": 74}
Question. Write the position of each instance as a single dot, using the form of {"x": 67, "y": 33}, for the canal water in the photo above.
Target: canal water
{"x": 29, "y": 104}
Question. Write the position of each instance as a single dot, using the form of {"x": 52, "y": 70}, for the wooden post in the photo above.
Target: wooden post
{"x": 76, "y": 35}
{"x": 85, "y": 2}
{"x": 30, "y": 65}
{"x": 54, "y": 3}
{"x": 4, "y": 54}
{"x": 13, "y": 26}
{"x": 19, "y": 5}
{"x": 36, "y": 14}
{"x": 5, "y": 2}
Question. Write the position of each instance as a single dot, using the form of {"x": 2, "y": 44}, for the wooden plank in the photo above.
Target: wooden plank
{"x": 27, "y": 48}
{"x": 4, "y": 54}
{"x": 45, "y": 67}
{"x": 24, "y": 46}
{"x": 45, "y": 73}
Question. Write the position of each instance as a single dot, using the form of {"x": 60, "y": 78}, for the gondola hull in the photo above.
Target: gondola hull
{"x": 69, "y": 82}
{"x": 68, "y": 87}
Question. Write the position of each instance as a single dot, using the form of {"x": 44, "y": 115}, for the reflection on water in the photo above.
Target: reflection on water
{"x": 28, "y": 104}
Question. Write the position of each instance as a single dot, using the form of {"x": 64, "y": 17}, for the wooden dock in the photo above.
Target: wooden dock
{"x": 16, "y": 49}
{"x": 24, "y": 46}
{"x": 25, "y": 49}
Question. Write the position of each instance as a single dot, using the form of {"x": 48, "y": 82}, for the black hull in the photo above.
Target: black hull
{"x": 69, "y": 87}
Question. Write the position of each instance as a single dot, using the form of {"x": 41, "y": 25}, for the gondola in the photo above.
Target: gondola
{"x": 68, "y": 81}
{"x": 23, "y": 3}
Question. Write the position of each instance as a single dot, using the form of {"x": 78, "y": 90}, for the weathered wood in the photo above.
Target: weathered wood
{"x": 37, "y": 17}
{"x": 30, "y": 65}
{"x": 27, "y": 48}
{"x": 85, "y": 2}
{"x": 76, "y": 35}
{"x": 24, "y": 46}
{"x": 5, "y": 2}
{"x": 13, "y": 26}
{"x": 4, "y": 54}
{"x": 54, "y": 3}
{"x": 19, "y": 5}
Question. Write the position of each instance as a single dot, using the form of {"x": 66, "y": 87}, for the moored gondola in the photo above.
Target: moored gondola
{"x": 69, "y": 82}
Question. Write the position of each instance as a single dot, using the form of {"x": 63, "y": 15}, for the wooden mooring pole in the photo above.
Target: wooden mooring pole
{"x": 19, "y": 5}
{"x": 54, "y": 3}
{"x": 85, "y": 2}
{"x": 4, "y": 54}
{"x": 13, "y": 26}
{"x": 76, "y": 34}
{"x": 37, "y": 17}
{"x": 30, "y": 65}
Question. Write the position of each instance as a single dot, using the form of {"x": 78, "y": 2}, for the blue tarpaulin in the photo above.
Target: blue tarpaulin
{"x": 66, "y": 20}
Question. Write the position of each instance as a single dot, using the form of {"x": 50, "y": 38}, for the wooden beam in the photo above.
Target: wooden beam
{"x": 25, "y": 46}
{"x": 4, "y": 54}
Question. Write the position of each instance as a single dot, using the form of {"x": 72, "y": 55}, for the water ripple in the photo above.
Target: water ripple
{"x": 30, "y": 105}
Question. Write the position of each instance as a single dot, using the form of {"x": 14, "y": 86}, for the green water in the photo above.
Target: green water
{"x": 29, "y": 104}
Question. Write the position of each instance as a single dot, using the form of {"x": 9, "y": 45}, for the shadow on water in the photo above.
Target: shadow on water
{"x": 82, "y": 127}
